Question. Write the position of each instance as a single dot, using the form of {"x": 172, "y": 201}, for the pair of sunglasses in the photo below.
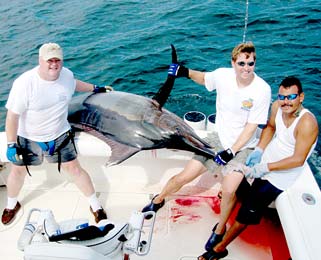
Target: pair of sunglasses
{"x": 289, "y": 97}
{"x": 242, "y": 63}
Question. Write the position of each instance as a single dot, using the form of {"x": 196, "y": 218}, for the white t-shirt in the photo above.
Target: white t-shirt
{"x": 281, "y": 146}
{"x": 42, "y": 105}
{"x": 237, "y": 106}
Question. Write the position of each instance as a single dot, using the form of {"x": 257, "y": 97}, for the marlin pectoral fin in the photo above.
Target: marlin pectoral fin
{"x": 163, "y": 93}
{"x": 119, "y": 152}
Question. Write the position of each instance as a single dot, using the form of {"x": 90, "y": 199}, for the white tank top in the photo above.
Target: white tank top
{"x": 282, "y": 146}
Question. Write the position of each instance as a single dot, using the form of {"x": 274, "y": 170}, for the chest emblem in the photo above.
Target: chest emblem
{"x": 247, "y": 104}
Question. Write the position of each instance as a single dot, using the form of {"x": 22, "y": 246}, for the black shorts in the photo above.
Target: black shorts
{"x": 34, "y": 155}
{"x": 255, "y": 199}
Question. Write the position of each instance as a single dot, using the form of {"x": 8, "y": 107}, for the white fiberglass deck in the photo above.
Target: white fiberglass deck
{"x": 182, "y": 226}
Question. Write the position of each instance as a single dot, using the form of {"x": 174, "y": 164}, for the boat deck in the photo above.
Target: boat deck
{"x": 182, "y": 226}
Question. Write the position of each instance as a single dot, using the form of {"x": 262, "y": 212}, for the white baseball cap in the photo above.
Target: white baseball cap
{"x": 50, "y": 50}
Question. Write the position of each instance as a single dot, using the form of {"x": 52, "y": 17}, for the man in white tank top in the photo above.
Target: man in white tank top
{"x": 37, "y": 127}
{"x": 279, "y": 158}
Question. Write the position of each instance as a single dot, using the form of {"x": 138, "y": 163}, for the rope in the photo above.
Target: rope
{"x": 246, "y": 18}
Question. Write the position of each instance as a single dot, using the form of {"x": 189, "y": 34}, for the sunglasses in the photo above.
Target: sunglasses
{"x": 242, "y": 63}
{"x": 289, "y": 97}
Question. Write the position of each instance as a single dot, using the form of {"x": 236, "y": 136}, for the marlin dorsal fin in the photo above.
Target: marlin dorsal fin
{"x": 163, "y": 93}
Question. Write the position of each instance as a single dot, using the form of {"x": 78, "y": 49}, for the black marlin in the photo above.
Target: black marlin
{"x": 129, "y": 123}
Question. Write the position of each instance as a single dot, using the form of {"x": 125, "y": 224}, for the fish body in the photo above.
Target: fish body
{"x": 129, "y": 123}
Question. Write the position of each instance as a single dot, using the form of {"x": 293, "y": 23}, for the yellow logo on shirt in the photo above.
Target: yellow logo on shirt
{"x": 247, "y": 104}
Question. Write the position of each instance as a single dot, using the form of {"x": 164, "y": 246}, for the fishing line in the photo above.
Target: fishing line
{"x": 246, "y": 18}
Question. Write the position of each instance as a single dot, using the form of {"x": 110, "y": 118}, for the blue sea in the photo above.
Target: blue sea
{"x": 126, "y": 44}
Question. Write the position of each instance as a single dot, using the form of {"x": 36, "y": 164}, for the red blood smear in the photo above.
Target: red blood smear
{"x": 268, "y": 234}
{"x": 214, "y": 202}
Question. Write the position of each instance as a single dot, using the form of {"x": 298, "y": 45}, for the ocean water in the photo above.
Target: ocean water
{"x": 126, "y": 44}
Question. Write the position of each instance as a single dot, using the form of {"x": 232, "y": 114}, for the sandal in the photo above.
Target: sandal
{"x": 153, "y": 207}
{"x": 214, "y": 239}
{"x": 212, "y": 255}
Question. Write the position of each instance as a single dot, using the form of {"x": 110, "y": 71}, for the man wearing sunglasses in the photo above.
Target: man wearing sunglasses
{"x": 279, "y": 158}
{"x": 242, "y": 103}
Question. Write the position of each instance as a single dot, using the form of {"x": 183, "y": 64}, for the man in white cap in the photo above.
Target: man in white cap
{"x": 37, "y": 126}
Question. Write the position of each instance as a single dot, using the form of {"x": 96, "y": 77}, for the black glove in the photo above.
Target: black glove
{"x": 178, "y": 71}
{"x": 223, "y": 157}
{"x": 102, "y": 89}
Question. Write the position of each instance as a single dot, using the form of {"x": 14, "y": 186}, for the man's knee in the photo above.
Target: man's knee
{"x": 231, "y": 182}
{"x": 72, "y": 167}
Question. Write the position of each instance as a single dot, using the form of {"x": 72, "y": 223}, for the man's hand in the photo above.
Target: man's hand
{"x": 223, "y": 157}
{"x": 178, "y": 71}
{"x": 254, "y": 157}
{"x": 12, "y": 152}
{"x": 257, "y": 171}
{"x": 102, "y": 89}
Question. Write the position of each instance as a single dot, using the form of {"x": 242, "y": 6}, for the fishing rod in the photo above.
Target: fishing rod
{"x": 246, "y": 18}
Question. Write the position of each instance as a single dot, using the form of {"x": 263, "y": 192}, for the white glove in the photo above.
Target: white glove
{"x": 257, "y": 171}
